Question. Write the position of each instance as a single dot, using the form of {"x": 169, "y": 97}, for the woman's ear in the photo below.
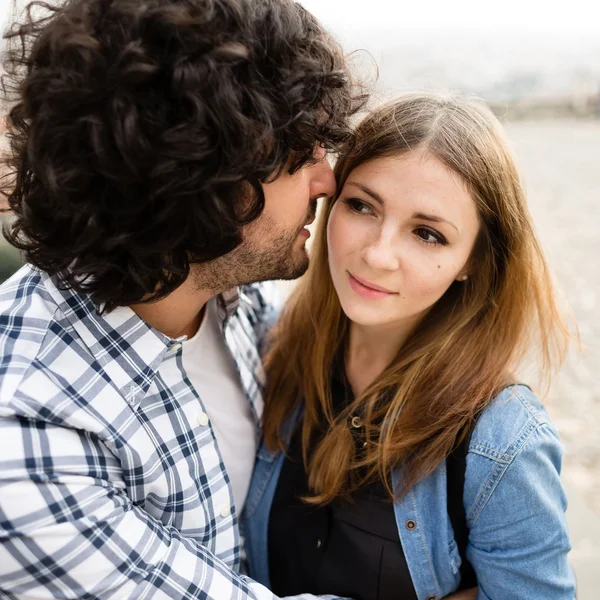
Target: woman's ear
{"x": 468, "y": 268}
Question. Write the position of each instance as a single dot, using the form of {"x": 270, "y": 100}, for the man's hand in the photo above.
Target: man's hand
{"x": 469, "y": 594}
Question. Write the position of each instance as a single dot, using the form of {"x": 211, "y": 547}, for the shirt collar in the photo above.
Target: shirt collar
{"x": 122, "y": 344}
{"x": 228, "y": 303}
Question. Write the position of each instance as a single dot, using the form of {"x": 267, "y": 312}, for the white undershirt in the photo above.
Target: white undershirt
{"x": 211, "y": 370}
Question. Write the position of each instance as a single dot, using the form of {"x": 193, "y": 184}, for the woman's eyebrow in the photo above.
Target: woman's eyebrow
{"x": 367, "y": 191}
{"x": 433, "y": 219}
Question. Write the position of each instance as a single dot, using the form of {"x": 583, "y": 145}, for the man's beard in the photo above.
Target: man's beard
{"x": 251, "y": 262}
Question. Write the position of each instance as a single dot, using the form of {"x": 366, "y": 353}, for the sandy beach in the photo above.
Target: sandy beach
{"x": 559, "y": 164}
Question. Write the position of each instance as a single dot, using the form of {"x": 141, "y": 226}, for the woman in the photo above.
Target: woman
{"x": 415, "y": 462}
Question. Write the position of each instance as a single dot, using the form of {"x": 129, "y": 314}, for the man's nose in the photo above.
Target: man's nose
{"x": 322, "y": 178}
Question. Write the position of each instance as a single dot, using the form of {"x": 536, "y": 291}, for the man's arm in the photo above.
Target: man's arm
{"x": 65, "y": 534}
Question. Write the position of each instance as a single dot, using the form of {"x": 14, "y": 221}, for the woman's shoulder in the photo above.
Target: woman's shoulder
{"x": 514, "y": 452}
{"x": 508, "y": 423}
{"x": 515, "y": 501}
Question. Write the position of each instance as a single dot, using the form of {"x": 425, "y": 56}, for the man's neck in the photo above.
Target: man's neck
{"x": 178, "y": 314}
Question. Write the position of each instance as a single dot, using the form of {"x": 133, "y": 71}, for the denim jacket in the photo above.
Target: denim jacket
{"x": 514, "y": 502}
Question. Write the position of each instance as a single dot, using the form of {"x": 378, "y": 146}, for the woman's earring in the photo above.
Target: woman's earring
{"x": 463, "y": 278}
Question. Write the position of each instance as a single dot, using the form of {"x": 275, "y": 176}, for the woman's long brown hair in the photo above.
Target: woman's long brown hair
{"x": 464, "y": 351}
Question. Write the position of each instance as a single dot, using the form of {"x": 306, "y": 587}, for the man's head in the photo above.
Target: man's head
{"x": 151, "y": 135}
{"x": 273, "y": 245}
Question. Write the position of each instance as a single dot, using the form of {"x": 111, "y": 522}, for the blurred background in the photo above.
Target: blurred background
{"x": 537, "y": 63}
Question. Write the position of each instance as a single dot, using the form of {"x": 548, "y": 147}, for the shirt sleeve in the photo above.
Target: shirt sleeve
{"x": 68, "y": 529}
{"x": 518, "y": 541}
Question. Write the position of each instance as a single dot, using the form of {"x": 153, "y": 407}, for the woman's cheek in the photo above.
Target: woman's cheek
{"x": 428, "y": 271}
{"x": 343, "y": 234}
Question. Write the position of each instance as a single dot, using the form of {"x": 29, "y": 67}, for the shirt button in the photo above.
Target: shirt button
{"x": 410, "y": 524}
{"x": 319, "y": 543}
{"x": 202, "y": 419}
{"x": 430, "y": 598}
{"x": 225, "y": 510}
{"x": 174, "y": 348}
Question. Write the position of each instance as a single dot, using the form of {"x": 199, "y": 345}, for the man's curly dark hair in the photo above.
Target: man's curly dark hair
{"x": 139, "y": 127}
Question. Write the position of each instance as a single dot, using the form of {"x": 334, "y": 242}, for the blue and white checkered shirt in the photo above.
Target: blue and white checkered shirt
{"x": 111, "y": 483}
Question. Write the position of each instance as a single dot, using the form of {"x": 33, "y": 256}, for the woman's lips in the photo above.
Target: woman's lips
{"x": 362, "y": 287}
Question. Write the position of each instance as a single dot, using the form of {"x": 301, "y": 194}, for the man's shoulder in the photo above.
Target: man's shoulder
{"x": 22, "y": 287}
{"x": 27, "y": 309}
{"x": 27, "y": 314}
{"x": 58, "y": 357}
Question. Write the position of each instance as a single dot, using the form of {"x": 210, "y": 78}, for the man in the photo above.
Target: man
{"x": 164, "y": 153}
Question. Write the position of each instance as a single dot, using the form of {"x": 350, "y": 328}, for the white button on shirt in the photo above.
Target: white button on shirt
{"x": 225, "y": 511}
{"x": 202, "y": 419}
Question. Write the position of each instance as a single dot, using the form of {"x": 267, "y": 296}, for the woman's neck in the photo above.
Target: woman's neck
{"x": 370, "y": 350}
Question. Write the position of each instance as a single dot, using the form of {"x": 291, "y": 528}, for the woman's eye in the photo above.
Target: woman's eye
{"x": 429, "y": 237}
{"x": 358, "y": 206}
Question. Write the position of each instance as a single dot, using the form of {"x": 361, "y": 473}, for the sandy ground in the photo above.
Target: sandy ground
{"x": 560, "y": 165}
{"x": 561, "y": 169}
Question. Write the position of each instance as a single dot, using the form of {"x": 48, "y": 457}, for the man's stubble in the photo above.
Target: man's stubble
{"x": 254, "y": 260}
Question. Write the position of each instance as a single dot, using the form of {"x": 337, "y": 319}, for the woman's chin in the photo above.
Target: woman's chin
{"x": 364, "y": 316}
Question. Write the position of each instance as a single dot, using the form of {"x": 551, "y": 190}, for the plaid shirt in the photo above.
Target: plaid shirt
{"x": 111, "y": 482}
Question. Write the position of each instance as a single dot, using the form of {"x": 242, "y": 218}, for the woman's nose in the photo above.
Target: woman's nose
{"x": 381, "y": 255}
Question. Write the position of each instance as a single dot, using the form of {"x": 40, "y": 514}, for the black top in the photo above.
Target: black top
{"x": 350, "y": 549}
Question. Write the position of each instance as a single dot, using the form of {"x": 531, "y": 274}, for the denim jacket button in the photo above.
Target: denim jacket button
{"x": 430, "y": 598}
{"x": 410, "y": 524}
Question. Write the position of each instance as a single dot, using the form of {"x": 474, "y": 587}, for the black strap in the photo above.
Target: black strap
{"x": 456, "y": 464}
